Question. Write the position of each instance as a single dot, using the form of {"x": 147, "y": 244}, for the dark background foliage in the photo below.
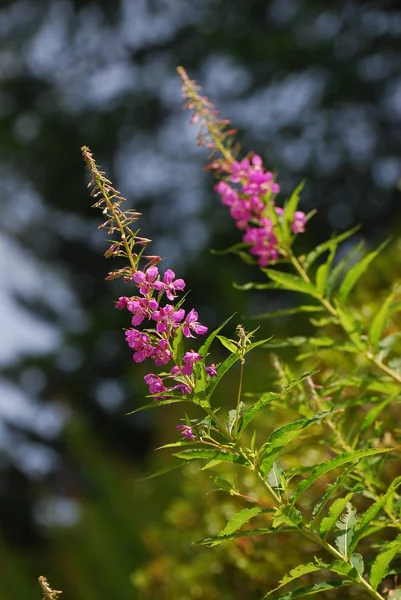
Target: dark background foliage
{"x": 315, "y": 88}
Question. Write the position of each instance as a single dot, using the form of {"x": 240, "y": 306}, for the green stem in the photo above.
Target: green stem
{"x": 241, "y": 376}
{"x": 120, "y": 226}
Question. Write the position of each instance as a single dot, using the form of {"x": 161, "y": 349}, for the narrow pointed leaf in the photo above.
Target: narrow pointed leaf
{"x": 267, "y": 398}
{"x": 239, "y": 534}
{"x": 332, "y": 243}
{"x": 299, "y": 571}
{"x": 323, "y": 271}
{"x": 341, "y": 266}
{"x": 335, "y": 511}
{"x": 170, "y": 467}
{"x": 373, "y": 510}
{"x": 382, "y": 561}
{"x": 378, "y": 323}
{"x": 310, "y": 590}
{"x": 356, "y": 272}
{"x": 330, "y": 491}
{"x": 305, "y": 308}
{"x": 238, "y": 521}
{"x": 289, "y": 211}
{"x": 292, "y": 283}
{"x": 229, "y": 344}
{"x": 203, "y": 350}
{"x": 345, "y": 529}
{"x": 333, "y": 463}
{"x": 201, "y": 453}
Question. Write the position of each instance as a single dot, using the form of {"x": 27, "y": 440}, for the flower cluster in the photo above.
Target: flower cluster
{"x": 155, "y": 342}
{"x": 249, "y": 201}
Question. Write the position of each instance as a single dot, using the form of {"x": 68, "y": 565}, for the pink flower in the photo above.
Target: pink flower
{"x": 191, "y": 323}
{"x": 141, "y": 343}
{"x": 170, "y": 285}
{"x": 298, "y": 225}
{"x": 141, "y": 308}
{"x": 122, "y": 302}
{"x": 211, "y": 370}
{"x": 186, "y": 431}
{"x": 156, "y": 385}
{"x": 191, "y": 357}
{"x": 161, "y": 354}
{"x": 167, "y": 317}
{"x": 145, "y": 281}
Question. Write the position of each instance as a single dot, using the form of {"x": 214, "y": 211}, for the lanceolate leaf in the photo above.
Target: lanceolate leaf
{"x": 295, "y": 574}
{"x": 335, "y": 511}
{"x": 323, "y": 272}
{"x": 282, "y": 436}
{"x": 244, "y": 533}
{"x": 356, "y": 272}
{"x": 202, "y": 453}
{"x": 346, "y": 526}
{"x": 330, "y": 491}
{"x": 267, "y": 398}
{"x": 341, "y": 266}
{"x": 203, "y": 350}
{"x": 221, "y": 371}
{"x": 380, "y": 566}
{"x": 375, "y": 411}
{"x": 307, "y": 308}
{"x": 378, "y": 323}
{"x": 289, "y": 211}
{"x": 309, "y": 590}
{"x": 372, "y": 511}
{"x": 237, "y": 522}
{"x": 333, "y": 243}
{"x": 170, "y": 467}
{"x": 156, "y": 403}
{"x": 290, "y": 282}
{"x": 333, "y": 463}
{"x": 229, "y": 344}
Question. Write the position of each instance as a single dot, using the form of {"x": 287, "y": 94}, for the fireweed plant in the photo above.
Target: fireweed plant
{"x": 354, "y": 526}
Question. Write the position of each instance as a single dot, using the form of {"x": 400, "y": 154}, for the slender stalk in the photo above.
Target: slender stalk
{"x": 241, "y": 376}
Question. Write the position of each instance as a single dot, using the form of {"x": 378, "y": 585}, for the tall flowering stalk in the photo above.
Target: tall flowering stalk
{"x": 246, "y": 188}
{"x": 155, "y": 304}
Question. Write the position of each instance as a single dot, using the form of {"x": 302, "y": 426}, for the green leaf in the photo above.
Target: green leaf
{"x": 299, "y": 571}
{"x": 274, "y": 478}
{"x": 223, "y": 484}
{"x": 203, "y": 350}
{"x": 314, "y": 588}
{"x": 333, "y": 463}
{"x": 238, "y": 534}
{"x": 346, "y": 526}
{"x": 286, "y": 281}
{"x": 170, "y": 467}
{"x": 356, "y": 272}
{"x": 378, "y": 323}
{"x": 244, "y": 287}
{"x": 282, "y": 436}
{"x": 156, "y": 403}
{"x": 335, "y": 511}
{"x": 330, "y": 491}
{"x": 374, "y": 412}
{"x": 323, "y": 271}
{"x": 229, "y": 344}
{"x": 201, "y": 453}
{"x": 341, "y": 266}
{"x": 357, "y": 562}
{"x": 332, "y": 243}
{"x": 380, "y": 566}
{"x": 221, "y": 371}
{"x": 289, "y": 211}
{"x": 237, "y": 522}
{"x": 178, "y": 346}
{"x": 306, "y": 308}
{"x": 351, "y": 325}
{"x": 372, "y": 511}
{"x": 267, "y": 398}
{"x": 287, "y": 516}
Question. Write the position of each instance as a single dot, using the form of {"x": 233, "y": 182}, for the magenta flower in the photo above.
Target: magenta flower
{"x": 161, "y": 354}
{"x": 145, "y": 281}
{"x": 122, "y": 302}
{"x": 186, "y": 431}
{"x": 170, "y": 285}
{"x": 211, "y": 370}
{"x": 298, "y": 225}
{"x": 141, "y": 343}
{"x": 167, "y": 317}
{"x": 183, "y": 388}
{"x": 156, "y": 385}
{"x": 191, "y": 357}
{"x": 191, "y": 323}
{"x": 141, "y": 308}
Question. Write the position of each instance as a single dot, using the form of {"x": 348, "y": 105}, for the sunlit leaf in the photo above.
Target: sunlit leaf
{"x": 382, "y": 561}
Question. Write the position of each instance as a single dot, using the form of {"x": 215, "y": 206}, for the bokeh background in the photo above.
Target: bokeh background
{"x": 315, "y": 88}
